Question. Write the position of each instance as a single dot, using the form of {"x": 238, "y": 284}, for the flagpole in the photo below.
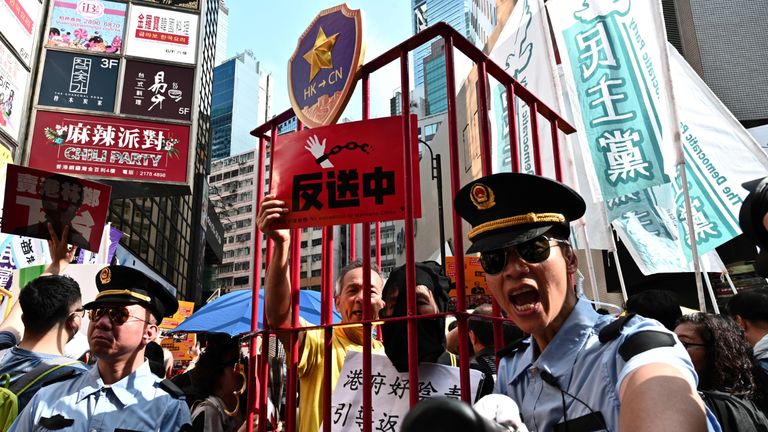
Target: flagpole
{"x": 711, "y": 292}
{"x": 590, "y": 264}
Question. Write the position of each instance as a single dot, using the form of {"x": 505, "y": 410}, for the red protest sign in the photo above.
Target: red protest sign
{"x": 34, "y": 198}
{"x": 346, "y": 173}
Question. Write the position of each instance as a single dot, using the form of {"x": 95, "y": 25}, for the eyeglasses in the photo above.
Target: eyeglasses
{"x": 532, "y": 251}
{"x": 118, "y": 315}
{"x": 79, "y": 312}
{"x": 691, "y": 344}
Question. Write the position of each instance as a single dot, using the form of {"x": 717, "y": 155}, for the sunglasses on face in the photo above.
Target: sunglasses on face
{"x": 532, "y": 251}
{"x": 118, "y": 315}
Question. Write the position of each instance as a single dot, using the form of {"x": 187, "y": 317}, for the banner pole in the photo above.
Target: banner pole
{"x": 590, "y": 264}
{"x": 712, "y": 298}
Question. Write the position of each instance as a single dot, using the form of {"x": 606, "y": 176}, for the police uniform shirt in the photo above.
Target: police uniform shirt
{"x": 584, "y": 367}
{"x": 135, "y": 403}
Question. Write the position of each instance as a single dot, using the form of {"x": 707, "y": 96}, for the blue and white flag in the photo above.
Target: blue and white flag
{"x": 613, "y": 53}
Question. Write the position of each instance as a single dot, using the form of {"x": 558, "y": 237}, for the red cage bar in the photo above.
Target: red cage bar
{"x": 267, "y": 133}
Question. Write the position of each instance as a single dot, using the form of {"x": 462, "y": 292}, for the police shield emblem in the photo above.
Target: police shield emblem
{"x": 324, "y": 68}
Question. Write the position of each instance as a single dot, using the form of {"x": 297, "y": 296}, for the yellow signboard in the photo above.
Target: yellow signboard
{"x": 181, "y": 347}
{"x": 185, "y": 310}
{"x": 475, "y": 287}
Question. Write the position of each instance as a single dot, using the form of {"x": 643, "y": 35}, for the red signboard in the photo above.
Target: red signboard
{"x": 110, "y": 147}
{"x": 34, "y": 198}
{"x": 347, "y": 173}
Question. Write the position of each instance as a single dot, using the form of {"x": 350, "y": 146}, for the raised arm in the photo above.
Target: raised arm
{"x": 660, "y": 389}
{"x": 61, "y": 253}
{"x": 277, "y": 285}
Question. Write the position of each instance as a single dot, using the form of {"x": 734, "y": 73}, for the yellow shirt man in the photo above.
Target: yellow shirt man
{"x": 310, "y": 371}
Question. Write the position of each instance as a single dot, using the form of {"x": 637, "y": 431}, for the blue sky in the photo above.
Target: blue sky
{"x": 271, "y": 28}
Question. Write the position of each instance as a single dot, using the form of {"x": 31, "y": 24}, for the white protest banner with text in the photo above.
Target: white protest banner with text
{"x": 390, "y": 391}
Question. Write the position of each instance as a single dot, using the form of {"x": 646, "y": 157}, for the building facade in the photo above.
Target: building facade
{"x": 222, "y": 33}
{"x": 241, "y": 100}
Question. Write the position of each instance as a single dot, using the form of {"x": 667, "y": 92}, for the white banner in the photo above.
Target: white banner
{"x": 161, "y": 34}
{"x": 390, "y": 397}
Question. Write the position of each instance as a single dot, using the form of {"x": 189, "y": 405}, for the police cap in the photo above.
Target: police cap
{"x": 510, "y": 208}
{"x": 126, "y": 285}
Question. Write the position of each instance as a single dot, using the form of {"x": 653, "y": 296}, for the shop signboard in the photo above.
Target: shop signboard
{"x": 13, "y": 89}
{"x": 110, "y": 147}
{"x": 79, "y": 81}
{"x": 88, "y": 25}
{"x": 36, "y": 199}
{"x": 186, "y": 4}
{"x": 162, "y": 34}
{"x": 157, "y": 90}
{"x": 20, "y": 19}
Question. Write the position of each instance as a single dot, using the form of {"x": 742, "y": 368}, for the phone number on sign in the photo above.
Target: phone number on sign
{"x": 151, "y": 174}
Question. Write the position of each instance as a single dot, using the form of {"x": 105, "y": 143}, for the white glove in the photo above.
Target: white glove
{"x": 502, "y": 410}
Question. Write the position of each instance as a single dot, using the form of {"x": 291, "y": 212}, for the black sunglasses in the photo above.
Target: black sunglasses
{"x": 118, "y": 315}
{"x": 533, "y": 251}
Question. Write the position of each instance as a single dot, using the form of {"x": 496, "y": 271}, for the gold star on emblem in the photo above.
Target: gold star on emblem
{"x": 319, "y": 57}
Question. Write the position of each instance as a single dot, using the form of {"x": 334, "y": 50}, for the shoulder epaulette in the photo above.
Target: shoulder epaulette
{"x": 513, "y": 347}
{"x": 613, "y": 330}
{"x": 172, "y": 389}
{"x": 71, "y": 373}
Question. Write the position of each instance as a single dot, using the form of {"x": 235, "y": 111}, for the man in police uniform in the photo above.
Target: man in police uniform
{"x": 119, "y": 392}
{"x": 578, "y": 370}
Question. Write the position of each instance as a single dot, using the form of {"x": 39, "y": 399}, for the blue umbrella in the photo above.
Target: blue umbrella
{"x": 231, "y": 313}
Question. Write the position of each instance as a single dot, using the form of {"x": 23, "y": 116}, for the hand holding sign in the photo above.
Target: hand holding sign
{"x": 270, "y": 211}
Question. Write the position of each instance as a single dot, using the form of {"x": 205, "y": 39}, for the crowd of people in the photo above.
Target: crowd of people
{"x": 563, "y": 366}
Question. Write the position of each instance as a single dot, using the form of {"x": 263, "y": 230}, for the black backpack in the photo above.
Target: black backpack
{"x": 735, "y": 414}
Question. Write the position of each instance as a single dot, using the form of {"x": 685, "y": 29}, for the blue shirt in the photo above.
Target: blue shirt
{"x": 85, "y": 403}
{"x": 17, "y": 361}
{"x": 584, "y": 367}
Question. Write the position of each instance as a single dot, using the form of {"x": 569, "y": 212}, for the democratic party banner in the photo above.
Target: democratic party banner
{"x": 20, "y": 20}
{"x": 720, "y": 155}
{"x": 390, "y": 391}
{"x": 88, "y": 25}
{"x": 186, "y": 4}
{"x": 475, "y": 286}
{"x": 13, "y": 89}
{"x": 614, "y": 57}
{"x": 157, "y": 90}
{"x": 346, "y": 173}
{"x": 109, "y": 147}
{"x": 35, "y": 198}
{"x": 162, "y": 34}
{"x": 79, "y": 81}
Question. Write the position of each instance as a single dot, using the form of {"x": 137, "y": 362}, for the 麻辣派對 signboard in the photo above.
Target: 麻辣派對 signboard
{"x": 346, "y": 173}
{"x": 109, "y": 147}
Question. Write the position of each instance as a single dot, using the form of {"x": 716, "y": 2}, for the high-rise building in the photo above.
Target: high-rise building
{"x": 222, "y": 32}
{"x": 241, "y": 100}
{"x": 474, "y": 19}
{"x": 725, "y": 42}
{"x": 144, "y": 86}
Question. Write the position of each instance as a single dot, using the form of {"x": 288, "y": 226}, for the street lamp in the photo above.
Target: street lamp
{"x": 437, "y": 175}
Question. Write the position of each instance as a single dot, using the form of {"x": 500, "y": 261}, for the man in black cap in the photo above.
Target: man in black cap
{"x": 753, "y": 219}
{"x": 579, "y": 370}
{"x": 119, "y": 392}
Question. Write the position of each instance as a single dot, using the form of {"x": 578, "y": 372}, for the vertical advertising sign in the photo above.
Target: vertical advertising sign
{"x": 162, "y": 34}
{"x": 13, "y": 88}
{"x": 109, "y": 147}
{"x": 88, "y": 25}
{"x": 156, "y": 90}
{"x": 20, "y": 19}
{"x": 34, "y": 199}
{"x": 79, "y": 81}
